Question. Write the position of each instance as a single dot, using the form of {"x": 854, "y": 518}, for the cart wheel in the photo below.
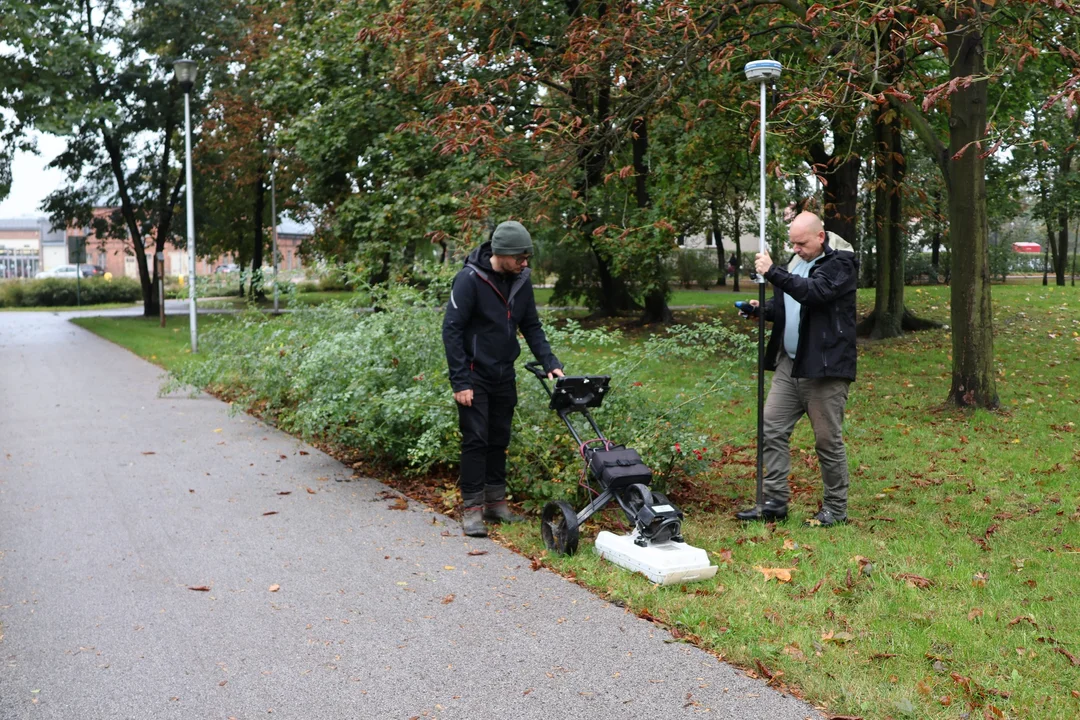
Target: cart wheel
{"x": 559, "y": 527}
{"x": 637, "y": 496}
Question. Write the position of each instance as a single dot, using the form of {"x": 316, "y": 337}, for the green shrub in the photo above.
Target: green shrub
{"x": 376, "y": 382}
{"x": 62, "y": 292}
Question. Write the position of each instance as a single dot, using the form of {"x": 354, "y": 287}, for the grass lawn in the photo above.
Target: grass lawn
{"x": 68, "y": 308}
{"x": 952, "y": 592}
{"x": 165, "y": 346}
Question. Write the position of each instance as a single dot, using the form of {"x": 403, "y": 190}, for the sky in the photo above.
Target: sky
{"x": 31, "y": 182}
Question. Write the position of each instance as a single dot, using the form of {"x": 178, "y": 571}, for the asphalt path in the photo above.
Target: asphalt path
{"x": 163, "y": 558}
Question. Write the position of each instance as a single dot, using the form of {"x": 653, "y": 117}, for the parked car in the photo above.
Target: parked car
{"x": 70, "y": 271}
{"x": 227, "y": 268}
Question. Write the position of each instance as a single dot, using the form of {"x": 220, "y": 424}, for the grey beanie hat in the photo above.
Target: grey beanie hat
{"x": 511, "y": 238}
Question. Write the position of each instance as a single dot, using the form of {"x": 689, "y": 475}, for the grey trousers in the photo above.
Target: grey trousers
{"x": 823, "y": 400}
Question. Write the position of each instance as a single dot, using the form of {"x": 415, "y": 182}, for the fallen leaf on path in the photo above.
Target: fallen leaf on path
{"x": 274, "y": 588}
{"x": 304, "y": 452}
{"x": 399, "y": 503}
{"x": 285, "y": 492}
{"x": 271, "y": 512}
{"x": 283, "y": 457}
{"x": 448, "y": 567}
{"x": 477, "y": 552}
{"x": 781, "y": 574}
{"x": 448, "y": 599}
{"x": 310, "y": 491}
{"x": 217, "y": 429}
{"x": 200, "y": 588}
{"x": 149, "y": 452}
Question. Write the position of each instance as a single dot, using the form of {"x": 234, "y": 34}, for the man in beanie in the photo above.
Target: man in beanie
{"x": 490, "y": 300}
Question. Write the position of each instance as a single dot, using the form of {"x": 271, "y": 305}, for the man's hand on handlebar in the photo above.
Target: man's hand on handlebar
{"x": 557, "y": 372}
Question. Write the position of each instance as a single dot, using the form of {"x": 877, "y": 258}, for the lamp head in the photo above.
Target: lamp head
{"x": 762, "y": 70}
{"x": 185, "y": 70}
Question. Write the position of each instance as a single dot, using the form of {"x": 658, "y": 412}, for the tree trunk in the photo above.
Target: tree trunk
{"x": 738, "y": 248}
{"x": 839, "y": 173}
{"x": 889, "y": 223}
{"x": 258, "y": 240}
{"x": 935, "y": 241}
{"x": 721, "y": 263}
{"x": 973, "y": 382}
{"x": 656, "y": 305}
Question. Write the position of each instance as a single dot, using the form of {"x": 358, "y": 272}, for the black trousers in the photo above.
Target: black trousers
{"x": 485, "y": 435}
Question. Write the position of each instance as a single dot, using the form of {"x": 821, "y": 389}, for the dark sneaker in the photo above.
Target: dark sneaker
{"x": 769, "y": 510}
{"x": 825, "y": 518}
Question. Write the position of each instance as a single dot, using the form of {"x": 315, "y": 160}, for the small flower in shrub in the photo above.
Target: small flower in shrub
{"x": 697, "y": 454}
{"x": 678, "y": 448}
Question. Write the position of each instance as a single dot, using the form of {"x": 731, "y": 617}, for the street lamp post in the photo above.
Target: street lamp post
{"x": 186, "y": 70}
{"x": 761, "y": 71}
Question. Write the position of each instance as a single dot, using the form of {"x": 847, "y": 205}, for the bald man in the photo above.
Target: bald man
{"x": 812, "y": 355}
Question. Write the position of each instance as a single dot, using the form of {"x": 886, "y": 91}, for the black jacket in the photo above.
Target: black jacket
{"x": 827, "y": 320}
{"x": 482, "y": 321}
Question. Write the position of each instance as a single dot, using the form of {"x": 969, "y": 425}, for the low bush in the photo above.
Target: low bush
{"x": 376, "y": 382}
{"x": 62, "y": 292}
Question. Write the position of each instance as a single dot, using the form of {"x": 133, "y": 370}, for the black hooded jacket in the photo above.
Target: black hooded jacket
{"x": 827, "y": 320}
{"x": 482, "y": 320}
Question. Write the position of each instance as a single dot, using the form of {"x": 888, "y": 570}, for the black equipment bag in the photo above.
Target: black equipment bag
{"x": 618, "y": 467}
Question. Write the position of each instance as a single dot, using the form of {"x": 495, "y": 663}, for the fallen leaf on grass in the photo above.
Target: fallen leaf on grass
{"x": 271, "y": 512}
{"x": 781, "y": 574}
{"x": 1072, "y": 658}
{"x": 917, "y": 581}
{"x": 882, "y": 656}
{"x": 200, "y": 588}
{"x": 1023, "y": 618}
{"x": 273, "y": 588}
{"x": 477, "y": 552}
{"x": 1076, "y": 694}
{"x": 839, "y": 638}
{"x": 793, "y": 651}
{"x": 979, "y": 579}
{"x": 723, "y": 555}
{"x": 399, "y": 503}
{"x": 975, "y": 613}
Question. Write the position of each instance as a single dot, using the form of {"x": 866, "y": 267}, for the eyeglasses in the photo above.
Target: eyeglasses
{"x": 521, "y": 258}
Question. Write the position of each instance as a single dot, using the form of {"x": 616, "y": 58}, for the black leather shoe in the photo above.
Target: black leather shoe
{"x": 825, "y": 518}
{"x": 769, "y": 510}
